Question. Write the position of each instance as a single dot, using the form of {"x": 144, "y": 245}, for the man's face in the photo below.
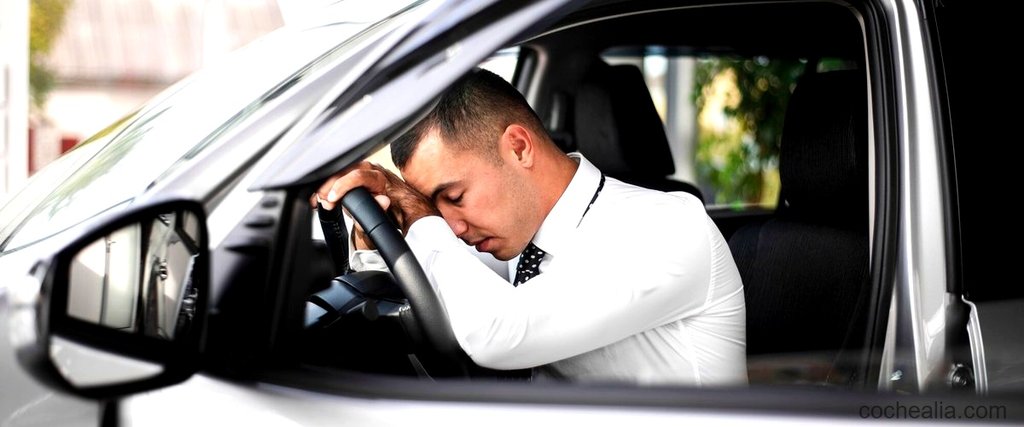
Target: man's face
{"x": 486, "y": 204}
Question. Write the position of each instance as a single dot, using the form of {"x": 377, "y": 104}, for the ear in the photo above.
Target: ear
{"x": 517, "y": 144}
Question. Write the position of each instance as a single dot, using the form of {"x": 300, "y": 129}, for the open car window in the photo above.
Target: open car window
{"x": 735, "y": 102}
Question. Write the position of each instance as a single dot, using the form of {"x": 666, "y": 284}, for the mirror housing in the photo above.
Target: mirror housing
{"x": 122, "y": 308}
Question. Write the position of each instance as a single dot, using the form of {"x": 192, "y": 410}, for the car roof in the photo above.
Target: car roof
{"x": 778, "y": 30}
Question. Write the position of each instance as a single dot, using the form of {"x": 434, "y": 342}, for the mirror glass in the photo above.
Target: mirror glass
{"x": 138, "y": 279}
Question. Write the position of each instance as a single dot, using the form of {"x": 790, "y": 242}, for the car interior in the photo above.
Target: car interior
{"x": 803, "y": 257}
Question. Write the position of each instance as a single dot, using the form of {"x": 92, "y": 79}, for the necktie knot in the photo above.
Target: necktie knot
{"x": 529, "y": 264}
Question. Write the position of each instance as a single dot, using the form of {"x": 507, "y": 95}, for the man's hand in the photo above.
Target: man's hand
{"x": 405, "y": 204}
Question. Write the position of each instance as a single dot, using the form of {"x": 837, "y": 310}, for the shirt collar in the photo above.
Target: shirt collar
{"x": 561, "y": 222}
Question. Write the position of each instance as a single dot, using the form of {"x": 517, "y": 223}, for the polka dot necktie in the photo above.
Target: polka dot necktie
{"x": 529, "y": 260}
{"x": 529, "y": 264}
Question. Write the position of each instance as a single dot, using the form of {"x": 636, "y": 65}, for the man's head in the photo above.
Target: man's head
{"x": 483, "y": 157}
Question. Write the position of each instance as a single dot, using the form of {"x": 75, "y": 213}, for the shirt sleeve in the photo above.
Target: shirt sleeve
{"x": 612, "y": 283}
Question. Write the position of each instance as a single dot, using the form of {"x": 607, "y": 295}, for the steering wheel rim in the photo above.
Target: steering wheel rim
{"x": 424, "y": 304}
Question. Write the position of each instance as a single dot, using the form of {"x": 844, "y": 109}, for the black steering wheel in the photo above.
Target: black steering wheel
{"x": 427, "y": 313}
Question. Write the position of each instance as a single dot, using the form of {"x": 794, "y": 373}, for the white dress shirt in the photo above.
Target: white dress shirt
{"x": 642, "y": 289}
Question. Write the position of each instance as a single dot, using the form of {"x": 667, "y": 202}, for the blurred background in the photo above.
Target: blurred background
{"x": 71, "y": 67}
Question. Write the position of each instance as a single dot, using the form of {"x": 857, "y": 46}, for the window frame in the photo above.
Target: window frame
{"x": 885, "y": 179}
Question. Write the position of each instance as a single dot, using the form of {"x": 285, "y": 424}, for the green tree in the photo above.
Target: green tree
{"x": 741, "y": 162}
{"x": 46, "y": 19}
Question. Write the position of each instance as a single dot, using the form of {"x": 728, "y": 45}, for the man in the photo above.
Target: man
{"x": 611, "y": 282}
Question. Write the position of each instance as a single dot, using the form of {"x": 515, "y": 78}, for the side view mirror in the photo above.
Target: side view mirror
{"x": 121, "y": 309}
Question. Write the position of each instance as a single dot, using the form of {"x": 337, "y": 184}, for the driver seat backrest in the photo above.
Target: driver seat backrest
{"x": 805, "y": 270}
{"x": 614, "y": 124}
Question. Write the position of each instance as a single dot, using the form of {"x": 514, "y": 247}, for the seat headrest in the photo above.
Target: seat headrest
{"x": 823, "y": 156}
{"x": 616, "y": 124}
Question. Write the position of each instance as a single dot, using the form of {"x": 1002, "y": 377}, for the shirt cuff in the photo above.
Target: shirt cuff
{"x": 363, "y": 259}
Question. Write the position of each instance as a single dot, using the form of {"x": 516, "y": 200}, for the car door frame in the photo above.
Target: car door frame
{"x": 889, "y": 145}
{"x": 893, "y": 239}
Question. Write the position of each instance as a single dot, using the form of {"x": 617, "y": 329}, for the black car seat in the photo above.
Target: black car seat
{"x": 805, "y": 270}
{"x": 612, "y": 121}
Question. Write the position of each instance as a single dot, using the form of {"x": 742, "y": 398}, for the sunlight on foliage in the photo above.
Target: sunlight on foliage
{"x": 46, "y": 19}
{"x": 741, "y": 105}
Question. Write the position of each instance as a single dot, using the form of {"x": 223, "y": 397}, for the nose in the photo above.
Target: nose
{"x": 455, "y": 221}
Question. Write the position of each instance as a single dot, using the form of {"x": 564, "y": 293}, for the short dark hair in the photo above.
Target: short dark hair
{"x": 471, "y": 115}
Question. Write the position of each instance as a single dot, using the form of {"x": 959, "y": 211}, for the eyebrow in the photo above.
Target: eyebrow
{"x": 441, "y": 188}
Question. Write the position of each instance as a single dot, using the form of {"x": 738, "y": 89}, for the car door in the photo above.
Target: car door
{"x": 909, "y": 254}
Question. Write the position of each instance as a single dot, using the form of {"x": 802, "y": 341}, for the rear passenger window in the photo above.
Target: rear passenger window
{"x": 723, "y": 116}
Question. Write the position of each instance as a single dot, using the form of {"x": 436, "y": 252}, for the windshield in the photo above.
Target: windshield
{"x": 110, "y": 169}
